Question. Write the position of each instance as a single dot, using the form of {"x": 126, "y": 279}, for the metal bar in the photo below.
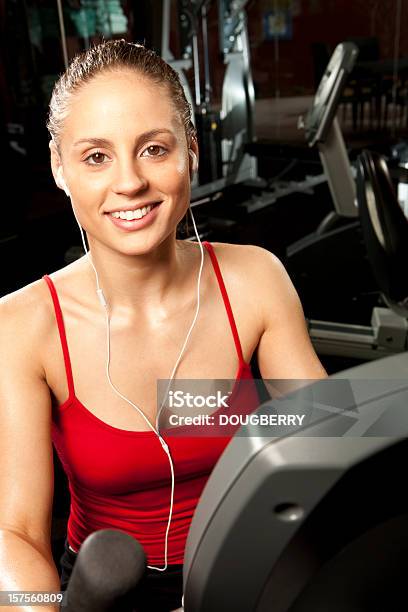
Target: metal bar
{"x": 395, "y": 64}
{"x": 344, "y": 340}
{"x": 62, "y": 31}
{"x": 196, "y": 64}
{"x": 336, "y": 165}
{"x": 204, "y": 28}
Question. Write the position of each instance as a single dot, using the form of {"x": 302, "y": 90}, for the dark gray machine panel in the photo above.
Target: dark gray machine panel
{"x": 253, "y": 542}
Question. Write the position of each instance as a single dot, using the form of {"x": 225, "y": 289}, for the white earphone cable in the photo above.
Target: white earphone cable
{"x": 156, "y": 430}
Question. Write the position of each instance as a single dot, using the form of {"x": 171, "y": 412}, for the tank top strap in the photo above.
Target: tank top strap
{"x": 225, "y": 298}
{"x": 63, "y": 337}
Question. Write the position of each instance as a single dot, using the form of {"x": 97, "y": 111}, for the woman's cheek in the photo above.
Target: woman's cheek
{"x": 91, "y": 185}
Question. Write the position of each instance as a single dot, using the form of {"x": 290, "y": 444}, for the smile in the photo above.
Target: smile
{"x": 133, "y": 220}
{"x": 130, "y": 215}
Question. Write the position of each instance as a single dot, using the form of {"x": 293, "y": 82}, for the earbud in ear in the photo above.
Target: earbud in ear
{"x": 194, "y": 161}
{"x": 61, "y": 182}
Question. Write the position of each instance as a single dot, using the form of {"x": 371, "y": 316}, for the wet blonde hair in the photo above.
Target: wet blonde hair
{"x": 109, "y": 56}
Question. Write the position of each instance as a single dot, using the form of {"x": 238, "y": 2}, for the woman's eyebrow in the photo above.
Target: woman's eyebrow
{"x": 103, "y": 142}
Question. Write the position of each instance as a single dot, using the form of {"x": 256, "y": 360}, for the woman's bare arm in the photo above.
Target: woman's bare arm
{"x": 26, "y": 474}
{"x": 285, "y": 351}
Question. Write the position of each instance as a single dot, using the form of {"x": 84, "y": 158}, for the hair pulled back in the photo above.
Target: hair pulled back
{"x": 110, "y": 56}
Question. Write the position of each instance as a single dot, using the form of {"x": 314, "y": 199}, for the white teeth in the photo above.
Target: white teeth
{"x": 129, "y": 215}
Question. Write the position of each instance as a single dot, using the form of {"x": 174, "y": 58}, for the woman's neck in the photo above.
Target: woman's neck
{"x": 135, "y": 284}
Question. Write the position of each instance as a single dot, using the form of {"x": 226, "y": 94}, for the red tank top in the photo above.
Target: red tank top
{"x": 121, "y": 479}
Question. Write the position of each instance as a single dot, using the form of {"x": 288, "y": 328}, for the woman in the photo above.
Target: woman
{"x": 122, "y": 140}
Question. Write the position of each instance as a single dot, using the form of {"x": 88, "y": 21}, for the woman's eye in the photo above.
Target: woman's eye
{"x": 154, "y": 148}
{"x": 97, "y": 159}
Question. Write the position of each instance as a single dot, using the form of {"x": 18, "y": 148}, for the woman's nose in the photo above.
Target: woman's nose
{"x": 129, "y": 179}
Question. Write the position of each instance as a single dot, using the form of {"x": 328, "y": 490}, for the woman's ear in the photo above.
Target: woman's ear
{"x": 193, "y": 161}
{"x": 193, "y": 156}
{"x": 56, "y": 167}
{"x": 61, "y": 182}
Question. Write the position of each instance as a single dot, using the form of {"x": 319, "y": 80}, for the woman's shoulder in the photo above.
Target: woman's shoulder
{"x": 25, "y": 325}
{"x": 28, "y": 326}
{"x": 251, "y": 263}
{"x": 29, "y": 310}
{"x": 26, "y": 299}
{"x": 255, "y": 278}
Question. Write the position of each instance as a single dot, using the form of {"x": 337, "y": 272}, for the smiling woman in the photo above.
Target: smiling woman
{"x": 76, "y": 345}
{"x": 98, "y": 150}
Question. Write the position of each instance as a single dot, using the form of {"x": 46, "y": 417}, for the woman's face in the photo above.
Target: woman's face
{"x": 124, "y": 149}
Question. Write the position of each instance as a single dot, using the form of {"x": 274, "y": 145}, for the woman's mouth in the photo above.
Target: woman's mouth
{"x": 130, "y": 220}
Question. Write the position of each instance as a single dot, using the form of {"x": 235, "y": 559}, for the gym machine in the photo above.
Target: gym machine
{"x": 338, "y": 247}
{"x": 314, "y": 519}
{"x": 222, "y": 133}
{"x": 228, "y": 169}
